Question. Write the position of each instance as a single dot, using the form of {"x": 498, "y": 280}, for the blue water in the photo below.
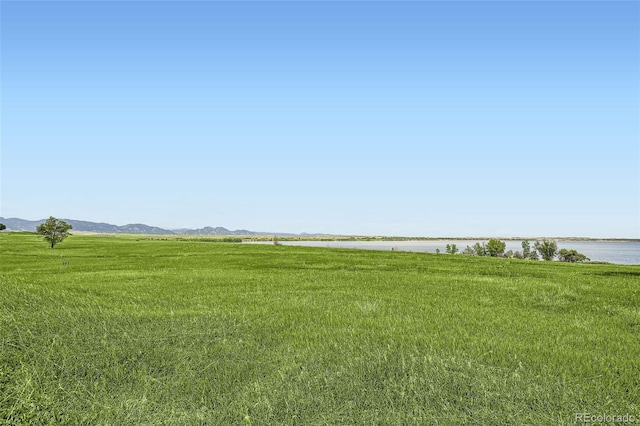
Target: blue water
{"x": 627, "y": 253}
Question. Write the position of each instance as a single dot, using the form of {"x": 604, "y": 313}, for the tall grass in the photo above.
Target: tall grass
{"x": 118, "y": 331}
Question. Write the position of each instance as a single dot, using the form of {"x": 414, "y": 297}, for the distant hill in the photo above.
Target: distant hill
{"x": 16, "y": 224}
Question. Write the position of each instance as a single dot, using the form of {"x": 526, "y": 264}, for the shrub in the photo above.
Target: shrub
{"x": 468, "y": 251}
{"x": 495, "y": 247}
{"x": 572, "y": 256}
{"x": 480, "y": 250}
{"x": 547, "y": 249}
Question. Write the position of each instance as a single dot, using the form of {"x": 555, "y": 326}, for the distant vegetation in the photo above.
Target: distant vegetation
{"x": 548, "y": 250}
{"x": 208, "y": 240}
{"x": 565, "y": 255}
{"x": 2, "y": 227}
{"x": 231, "y": 240}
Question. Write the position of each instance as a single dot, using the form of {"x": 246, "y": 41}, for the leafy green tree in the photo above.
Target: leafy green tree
{"x": 565, "y": 255}
{"x": 54, "y": 230}
{"x": 547, "y": 249}
{"x": 452, "y": 249}
{"x": 2, "y": 227}
{"x": 495, "y": 247}
{"x": 480, "y": 250}
{"x": 527, "y": 253}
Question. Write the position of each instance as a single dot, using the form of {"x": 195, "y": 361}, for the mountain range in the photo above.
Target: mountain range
{"x": 16, "y": 224}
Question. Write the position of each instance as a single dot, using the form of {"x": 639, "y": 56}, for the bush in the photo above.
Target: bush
{"x": 480, "y": 250}
{"x": 495, "y": 247}
{"x": 572, "y": 256}
{"x": 468, "y": 251}
{"x": 547, "y": 249}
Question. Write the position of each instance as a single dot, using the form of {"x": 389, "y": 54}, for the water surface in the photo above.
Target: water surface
{"x": 621, "y": 252}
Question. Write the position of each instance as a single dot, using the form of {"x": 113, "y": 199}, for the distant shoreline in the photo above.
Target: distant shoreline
{"x": 289, "y": 237}
{"x": 379, "y": 238}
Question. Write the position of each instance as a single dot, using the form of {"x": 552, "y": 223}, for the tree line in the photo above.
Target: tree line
{"x": 547, "y": 250}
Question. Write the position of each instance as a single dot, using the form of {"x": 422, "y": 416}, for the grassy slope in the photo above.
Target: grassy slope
{"x": 119, "y": 331}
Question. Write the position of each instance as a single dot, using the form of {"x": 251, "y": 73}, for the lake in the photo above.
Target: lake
{"x": 627, "y": 253}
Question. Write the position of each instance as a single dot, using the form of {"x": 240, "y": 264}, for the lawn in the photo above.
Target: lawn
{"x": 127, "y": 330}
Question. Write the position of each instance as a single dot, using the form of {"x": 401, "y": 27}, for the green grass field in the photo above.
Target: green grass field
{"x": 120, "y": 331}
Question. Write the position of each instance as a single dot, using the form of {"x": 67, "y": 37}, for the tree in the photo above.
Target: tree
{"x": 480, "y": 250}
{"x": 565, "y": 255}
{"x": 452, "y": 249}
{"x": 2, "y": 227}
{"x": 495, "y": 247}
{"x": 527, "y": 253}
{"x": 54, "y": 230}
{"x": 547, "y": 249}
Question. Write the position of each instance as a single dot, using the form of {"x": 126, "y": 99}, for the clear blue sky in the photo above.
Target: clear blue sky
{"x": 419, "y": 118}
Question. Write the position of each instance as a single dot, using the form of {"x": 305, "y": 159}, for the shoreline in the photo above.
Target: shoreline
{"x": 324, "y": 237}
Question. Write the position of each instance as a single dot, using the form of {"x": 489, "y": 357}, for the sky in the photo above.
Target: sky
{"x": 399, "y": 118}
